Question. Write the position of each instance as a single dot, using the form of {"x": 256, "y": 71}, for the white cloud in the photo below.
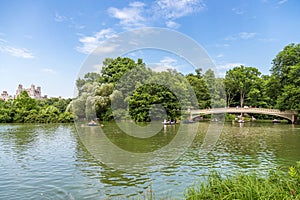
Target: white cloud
{"x": 90, "y": 43}
{"x": 17, "y": 52}
{"x": 164, "y": 64}
{"x": 168, "y": 61}
{"x": 3, "y": 41}
{"x": 59, "y": 18}
{"x": 70, "y": 20}
{"x": 222, "y": 68}
{"x": 245, "y": 35}
{"x": 238, "y": 11}
{"x": 172, "y": 24}
{"x": 220, "y": 55}
{"x": 138, "y": 14}
{"x": 242, "y": 35}
{"x": 50, "y": 71}
{"x": 74, "y": 24}
{"x": 157, "y": 68}
{"x": 97, "y": 67}
{"x": 222, "y": 45}
{"x": 228, "y": 66}
{"x": 173, "y": 9}
{"x": 282, "y": 2}
{"x": 130, "y": 17}
{"x": 267, "y": 40}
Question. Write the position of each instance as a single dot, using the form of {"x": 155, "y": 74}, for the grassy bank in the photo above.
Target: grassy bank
{"x": 276, "y": 185}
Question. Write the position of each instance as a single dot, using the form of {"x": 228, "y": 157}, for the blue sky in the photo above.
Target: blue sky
{"x": 46, "y": 42}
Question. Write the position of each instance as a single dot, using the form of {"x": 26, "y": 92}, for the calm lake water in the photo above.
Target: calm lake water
{"x": 53, "y": 162}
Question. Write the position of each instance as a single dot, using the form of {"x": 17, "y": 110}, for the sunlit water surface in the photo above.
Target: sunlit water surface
{"x": 51, "y": 162}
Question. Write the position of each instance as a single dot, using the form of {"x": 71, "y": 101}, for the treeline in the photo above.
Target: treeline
{"x": 125, "y": 89}
{"x": 25, "y": 109}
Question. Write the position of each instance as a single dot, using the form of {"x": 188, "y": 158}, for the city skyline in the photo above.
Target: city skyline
{"x": 46, "y": 42}
{"x": 32, "y": 92}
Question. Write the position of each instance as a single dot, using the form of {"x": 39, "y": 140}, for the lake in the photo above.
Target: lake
{"x": 43, "y": 161}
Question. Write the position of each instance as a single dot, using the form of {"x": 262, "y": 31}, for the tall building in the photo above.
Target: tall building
{"x": 32, "y": 92}
{"x": 5, "y": 96}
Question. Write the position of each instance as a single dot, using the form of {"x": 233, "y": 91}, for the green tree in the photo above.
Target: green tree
{"x": 90, "y": 77}
{"x": 216, "y": 89}
{"x": 113, "y": 69}
{"x": 200, "y": 88}
{"x": 284, "y": 82}
{"x": 6, "y": 112}
{"x": 96, "y": 91}
{"x": 22, "y": 106}
{"x": 289, "y": 56}
{"x": 290, "y": 96}
{"x": 240, "y": 81}
{"x": 103, "y": 101}
{"x": 152, "y": 94}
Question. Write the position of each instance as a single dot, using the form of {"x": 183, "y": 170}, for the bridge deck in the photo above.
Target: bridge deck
{"x": 241, "y": 110}
{"x": 288, "y": 114}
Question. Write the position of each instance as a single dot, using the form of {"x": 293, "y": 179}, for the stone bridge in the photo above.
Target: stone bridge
{"x": 288, "y": 114}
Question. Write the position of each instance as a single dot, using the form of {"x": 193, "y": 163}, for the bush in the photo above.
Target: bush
{"x": 276, "y": 185}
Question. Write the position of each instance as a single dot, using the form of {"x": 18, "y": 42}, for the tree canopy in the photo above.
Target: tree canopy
{"x": 242, "y": 81}
{"x": 136, "y": 90}
{"x": 25, "y": 109}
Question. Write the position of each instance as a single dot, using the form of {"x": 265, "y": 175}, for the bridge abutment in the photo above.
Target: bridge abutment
{"x": 294, "y": 119}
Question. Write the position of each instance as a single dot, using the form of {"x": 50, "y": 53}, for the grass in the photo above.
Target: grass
{"x": 276, "y": 185}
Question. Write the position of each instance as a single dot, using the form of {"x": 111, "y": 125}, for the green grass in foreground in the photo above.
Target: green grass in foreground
{"x": 276, "y": 185}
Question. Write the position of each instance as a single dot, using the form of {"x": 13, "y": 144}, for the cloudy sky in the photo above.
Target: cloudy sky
{"x": 46, "y": 42}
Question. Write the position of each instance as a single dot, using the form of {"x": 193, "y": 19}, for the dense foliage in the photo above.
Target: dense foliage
{"x": 135, "y": 91}
{"x": 276, "y": 185}
{"x": 126, "y": 89}
{"x": 246, "y": 85}
{"x": 25, "y": 109}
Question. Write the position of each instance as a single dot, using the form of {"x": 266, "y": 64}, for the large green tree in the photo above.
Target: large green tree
{"x": 289, "y": 56}
{"x": 216, "y": 89}
{"x": 97, "y": 90}
{"x": 113, "y": 69}
{"x": 146, "y": 96}
{"x": 290, "y": 96}
{"x": 200, "y": 88}
{"x": 284, "y": 81}
{"x": 90, "y": 77}
{"x": 241, "y": 80}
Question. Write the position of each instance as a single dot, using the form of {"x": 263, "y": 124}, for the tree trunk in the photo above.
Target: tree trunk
{"x": 242, "y": 99}
{"x": 228, "y": 100}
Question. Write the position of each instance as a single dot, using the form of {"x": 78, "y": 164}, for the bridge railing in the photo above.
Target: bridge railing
{"x": 238, "y": 109}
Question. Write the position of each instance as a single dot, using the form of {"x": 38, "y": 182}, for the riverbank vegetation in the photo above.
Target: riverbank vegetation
{"x": 125, "y": 89}
{"x": 25, "y": 109}
{"x": 276, "y": 185}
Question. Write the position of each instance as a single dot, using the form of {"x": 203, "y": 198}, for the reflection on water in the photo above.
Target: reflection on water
{"x": 51, "y": 162}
